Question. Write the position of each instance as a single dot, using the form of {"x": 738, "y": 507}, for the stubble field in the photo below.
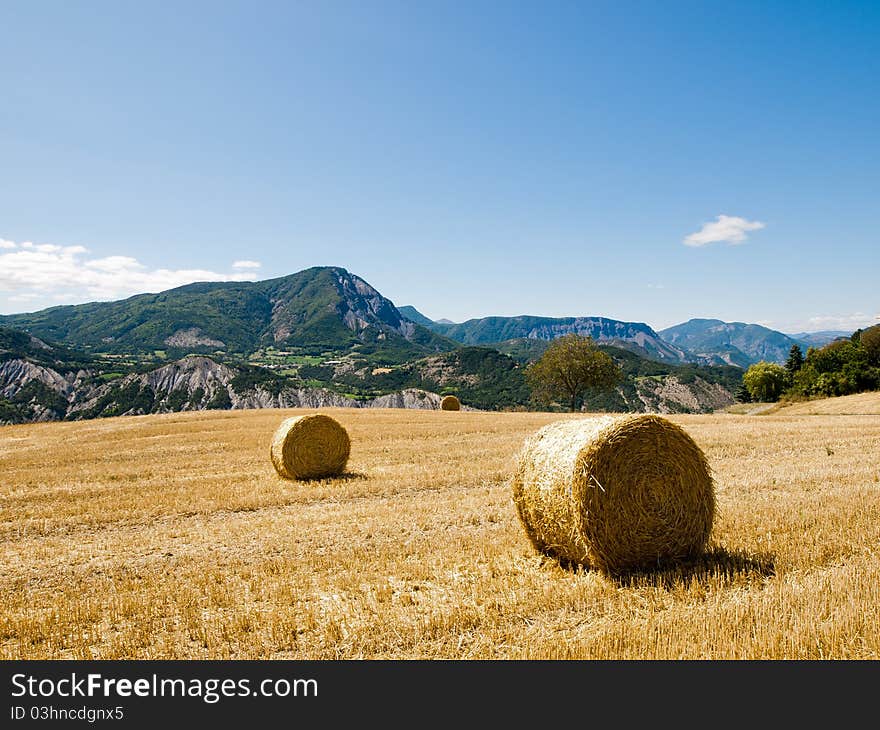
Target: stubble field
{"x": 172, "y": 537}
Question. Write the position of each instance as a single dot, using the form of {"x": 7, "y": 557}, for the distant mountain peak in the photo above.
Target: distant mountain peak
{"x": 716, "y": 342}
{"x": 414, "y": 315}
{"x": 820, "y": 338}
{"x": 636, "y": 336}
{"x": 320, "y": 308}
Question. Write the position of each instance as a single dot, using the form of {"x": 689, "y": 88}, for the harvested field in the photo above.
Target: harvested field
{"x": 172, "y": 536}
{"x": 847, "y": 405}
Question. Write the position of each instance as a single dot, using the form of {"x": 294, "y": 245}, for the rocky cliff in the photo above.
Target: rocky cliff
{"x": 36, "y": 393}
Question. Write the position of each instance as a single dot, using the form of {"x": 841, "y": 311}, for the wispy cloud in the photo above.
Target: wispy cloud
{"x": 845, "y": 322}
{"x": 725, "y": 228}
{"x": 34, "y": 272}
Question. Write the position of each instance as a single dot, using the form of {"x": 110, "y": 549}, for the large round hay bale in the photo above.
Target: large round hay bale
{"x": 615, "y": 493}
{"x": 450, "y": 403}
{"x": 310, "y": 447}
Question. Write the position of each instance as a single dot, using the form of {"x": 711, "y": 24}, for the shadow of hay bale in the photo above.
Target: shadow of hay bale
{"x": 716, "y": 562}
{"x": 349, "y": 476}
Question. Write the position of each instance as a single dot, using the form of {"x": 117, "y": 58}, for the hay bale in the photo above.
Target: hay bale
{"x": 615, "y": 493}
{"x": 450, "y": 403}
{"x": 310, "y": 447}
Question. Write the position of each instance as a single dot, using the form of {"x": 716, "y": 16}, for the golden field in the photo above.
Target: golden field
{"x": 172, "y": 536}
{"x": 847, "y": 405}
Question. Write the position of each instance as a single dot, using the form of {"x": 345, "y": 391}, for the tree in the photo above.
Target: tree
{"x": 569, "y": 367}
{"x": 795, "y": 360}
{"x": 765, "y": 381}
{"x": 870, "y": 342}
{"x": 835, "y": 355}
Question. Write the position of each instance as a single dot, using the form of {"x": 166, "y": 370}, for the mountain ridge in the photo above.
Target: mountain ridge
{"x": 328, "y": 309}
{"x": 315, "y": 309}
{"x": 680, "y": 337}
{"x": 39, "y": 383}
{"x": 820, "y": 338}
{"x": 716, "y": 342}
{"x": 635, "y": 336}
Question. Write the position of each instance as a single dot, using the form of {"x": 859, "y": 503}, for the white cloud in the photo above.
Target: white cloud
{"x": 115, "y": 264}
{"x": 246, "y": 264}
{"x": 725, "y": 228}
{"x": 33, "y": 272}
{"x": 846, "y": 322}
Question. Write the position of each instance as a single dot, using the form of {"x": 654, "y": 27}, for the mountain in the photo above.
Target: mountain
{"x": 15, "y": 344}
{"x": 31, "y": 392}
{"x": 650, "y": 386}
{"x": 313, "y": 311}
{"x": 199, "y": 383}
{"x": 819, "y": 339}
{"x": 36, "y": 377}
{"x": 414, "y": 315}
{"x": 735, "y": 343}
{"x": 487, "y": 379}
{"x": 637, "y": 337}
{"x": 522, "y": 349}
{"x": 40, "y": 381}
{"x": 320, "y": 337}
{"x": 481, "y": 377}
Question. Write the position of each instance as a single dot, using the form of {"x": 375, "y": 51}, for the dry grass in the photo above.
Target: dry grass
{"x": 847, "y": 405}
{"x": 173, "y": 537}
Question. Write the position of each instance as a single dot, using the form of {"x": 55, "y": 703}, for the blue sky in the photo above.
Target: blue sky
{"x": 643, "y": 161}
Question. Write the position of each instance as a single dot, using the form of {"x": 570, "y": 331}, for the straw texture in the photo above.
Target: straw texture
{"x": 310, "y": 447}
{"x": 615, "y": 493}
{"x": 450, "y": 403}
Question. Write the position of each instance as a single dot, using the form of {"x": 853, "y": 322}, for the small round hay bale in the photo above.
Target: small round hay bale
{"x": 450, "y": 403}
{"x": 615, "y": 493}
{"x": 310, "y": 447}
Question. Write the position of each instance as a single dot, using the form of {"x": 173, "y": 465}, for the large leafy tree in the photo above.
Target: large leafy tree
{"x": 765, "y": 381}
{"x": 569, "y": 367}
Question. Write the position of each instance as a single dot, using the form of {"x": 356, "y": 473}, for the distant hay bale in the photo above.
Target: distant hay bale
{"x": 310, "y": 447}
{"x": 615, "y": 493}
{"x": 450, "y": 403}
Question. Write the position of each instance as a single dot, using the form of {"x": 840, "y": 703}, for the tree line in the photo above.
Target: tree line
{"x": 842, "y": 367}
